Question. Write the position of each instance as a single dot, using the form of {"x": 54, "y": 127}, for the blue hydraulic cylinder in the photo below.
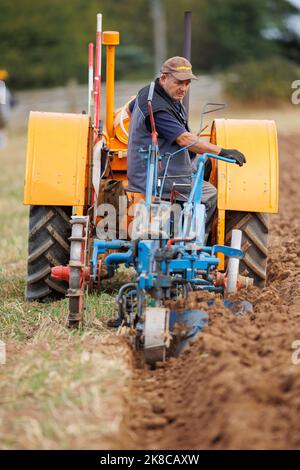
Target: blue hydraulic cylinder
{"x": 103, "y": 246}
{"x": 114, "y": 259}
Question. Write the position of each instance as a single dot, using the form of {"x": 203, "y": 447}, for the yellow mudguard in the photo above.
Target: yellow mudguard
{"x": 253, "y": 187}
{"x": 57, "y": 159}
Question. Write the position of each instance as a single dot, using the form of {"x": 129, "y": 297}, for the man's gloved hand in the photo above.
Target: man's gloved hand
{"x": 239, "y": 157}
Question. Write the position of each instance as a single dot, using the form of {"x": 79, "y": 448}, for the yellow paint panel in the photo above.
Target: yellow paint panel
{"x": 57, "y": 153}
{"x": 253, "y": 187}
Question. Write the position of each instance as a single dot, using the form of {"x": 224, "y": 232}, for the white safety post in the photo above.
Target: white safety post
{"x": 233, "y": 263}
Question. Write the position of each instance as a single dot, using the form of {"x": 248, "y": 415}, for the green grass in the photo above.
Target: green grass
{"x": 60, "y": 388}
{"x": 20, "y": 320}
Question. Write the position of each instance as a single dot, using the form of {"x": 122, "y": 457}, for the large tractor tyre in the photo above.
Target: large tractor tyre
{"x": 48, "y": 246}
{"x": 255, "y": 229}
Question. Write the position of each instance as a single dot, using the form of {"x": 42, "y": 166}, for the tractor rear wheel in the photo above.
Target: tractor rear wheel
{"x": 255, "y": 229}
{"x": 48, "y": 246}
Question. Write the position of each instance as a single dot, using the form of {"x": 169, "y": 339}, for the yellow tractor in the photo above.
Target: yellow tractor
{"x": 71, "y": 165}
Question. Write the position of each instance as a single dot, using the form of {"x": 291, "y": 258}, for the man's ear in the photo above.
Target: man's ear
{"x": 163, "y": 78}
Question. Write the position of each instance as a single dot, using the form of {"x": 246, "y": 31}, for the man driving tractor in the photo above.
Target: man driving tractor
{"x": 173, "y": 134}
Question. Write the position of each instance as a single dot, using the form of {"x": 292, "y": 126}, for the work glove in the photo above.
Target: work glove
{"x": 239, "y": 157}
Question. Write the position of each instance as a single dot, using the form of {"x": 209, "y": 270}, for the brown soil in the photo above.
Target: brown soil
{"x": 236, "y": 387}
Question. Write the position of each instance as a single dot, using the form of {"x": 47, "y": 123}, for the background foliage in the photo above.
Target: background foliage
{"x": 264, "y": 81}
{"x": 45, "y": 43}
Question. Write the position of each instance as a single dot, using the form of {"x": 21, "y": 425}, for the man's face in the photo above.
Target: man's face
{"x": 176, "y": 89}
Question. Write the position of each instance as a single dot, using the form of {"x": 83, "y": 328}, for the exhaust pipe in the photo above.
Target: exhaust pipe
{"x": 110, "y": 39}
{"x": 187, "y": 47}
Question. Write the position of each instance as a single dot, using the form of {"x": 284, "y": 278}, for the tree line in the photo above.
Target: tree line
{"x": 45, "y": 42}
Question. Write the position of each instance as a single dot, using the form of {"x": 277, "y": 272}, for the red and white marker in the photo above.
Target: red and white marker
{"x": 91, "y": 75}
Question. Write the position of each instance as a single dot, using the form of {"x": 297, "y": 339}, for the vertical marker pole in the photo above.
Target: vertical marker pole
{"x": 96, "y": 103}
{"x": 98, "y": 60}
{"x": 91, "y": 75}
{"x": 98, "y": 44}
{"x": 187, "y": 48}
{"x": 97, "y": 96}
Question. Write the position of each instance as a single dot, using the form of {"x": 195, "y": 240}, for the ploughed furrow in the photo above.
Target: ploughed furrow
{"x": 238, "y": 386}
